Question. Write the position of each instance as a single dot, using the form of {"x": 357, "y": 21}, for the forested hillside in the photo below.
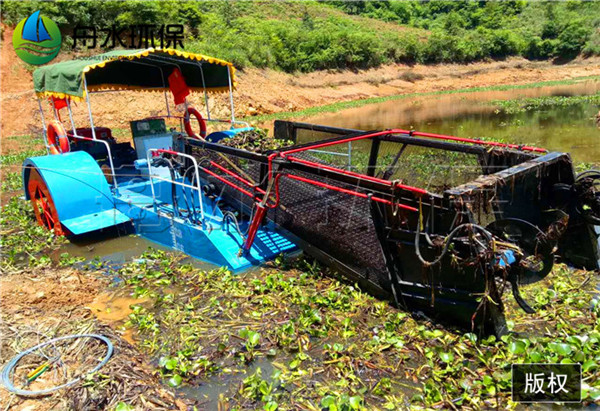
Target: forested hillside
{"x": 308, "y": 36}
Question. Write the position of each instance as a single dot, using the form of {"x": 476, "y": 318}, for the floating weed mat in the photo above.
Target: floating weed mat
{"x": 255, "y": 140}
{"x": 288, "y": 337}
{"x": 522, "y": 105}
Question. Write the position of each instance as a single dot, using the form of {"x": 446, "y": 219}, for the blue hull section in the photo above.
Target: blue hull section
{"x": 218, "y": 243}
{"x": 86, "y": 203}
{"x": 83, "y": 199}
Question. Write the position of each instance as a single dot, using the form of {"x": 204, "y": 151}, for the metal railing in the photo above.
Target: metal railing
{"x": 110, "y": 160}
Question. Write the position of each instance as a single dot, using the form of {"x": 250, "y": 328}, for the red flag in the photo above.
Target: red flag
{"x": 58, "y": 102}
{"x": 178, "y": 87}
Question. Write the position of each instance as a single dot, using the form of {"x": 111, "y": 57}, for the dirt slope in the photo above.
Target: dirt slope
{"x": 269, "y": 91}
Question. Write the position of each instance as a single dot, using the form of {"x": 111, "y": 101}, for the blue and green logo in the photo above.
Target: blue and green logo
{"x": 37, "y": 39}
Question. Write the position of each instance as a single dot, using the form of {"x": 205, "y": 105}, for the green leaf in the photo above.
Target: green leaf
{"x": 328, "y": 401}
{"x": 535, "y": 356}
{"x": 563, "y": 349}
{"x": 355, "y": 402}
{"x": 175, "y": 381}
{"x": 488, "y": 381}
{"x": 471, "y": 337}
{"x": 270, "y": 406}
{"x": 589, "y": 366}
{"x": 447, "y": 357}
{"x": 516, "y": 347}
{"x": 121, "y": 406}
{"x": 253, "y": 338}
{"x": 171, "y": 364}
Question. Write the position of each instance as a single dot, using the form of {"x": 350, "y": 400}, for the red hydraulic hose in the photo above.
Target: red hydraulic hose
{"x": 259, "y": 216}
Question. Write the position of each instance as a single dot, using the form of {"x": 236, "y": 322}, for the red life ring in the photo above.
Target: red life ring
{"x": 57, "y": 138}
{"x": 191, "y": 111}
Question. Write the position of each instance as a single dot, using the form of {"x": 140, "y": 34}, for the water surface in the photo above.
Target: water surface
{"x": 568, "y": 129}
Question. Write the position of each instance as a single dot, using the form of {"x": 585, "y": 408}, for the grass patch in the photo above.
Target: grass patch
{"x": 23, "y": 242}
{"x": 11, "y": 182}
{"x": 17, "y": 157}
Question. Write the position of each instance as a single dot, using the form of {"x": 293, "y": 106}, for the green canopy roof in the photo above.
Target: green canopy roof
{"x": 146, "y": 69}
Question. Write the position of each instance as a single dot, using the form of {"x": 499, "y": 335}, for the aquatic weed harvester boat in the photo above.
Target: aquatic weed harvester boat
{"x": 438, "y": 224}
{"x": 90, "y": 182}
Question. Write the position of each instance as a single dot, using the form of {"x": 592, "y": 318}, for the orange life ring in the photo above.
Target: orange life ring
{"x": 191, "y": 111}
{"x": 57, "y": 138}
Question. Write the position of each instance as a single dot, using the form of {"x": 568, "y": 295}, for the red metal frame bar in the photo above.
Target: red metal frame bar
{"x": 350, "y": 192}
{"x": 358, "y": 175}
{"x": 229, "y": 183}
{"x": 417, "y": 134}
{"x": 474, "y": 141}
{"x": 345, "y": 140}
{"x": 237, "y": 177}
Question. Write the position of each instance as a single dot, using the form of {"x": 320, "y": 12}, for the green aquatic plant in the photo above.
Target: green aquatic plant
{"x": 17, "y": 157}
{"x": 11, "y": 181}
{"x": 22, "y": 240}
{"x": 521, "y": 105}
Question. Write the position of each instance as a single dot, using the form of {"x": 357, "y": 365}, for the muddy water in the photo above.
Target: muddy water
{"x": 118, "y": 249}
{"x": 569, "y": 129}
{"x": 113, "y": 308}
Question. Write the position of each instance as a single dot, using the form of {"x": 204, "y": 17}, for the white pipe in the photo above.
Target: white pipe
{"x": 87, "y": 98}
{"x": 349, "y": 155}
{"x": 205, "y": 93}
{"x": 110, "y": 161}
{"x": 148, "y": 160}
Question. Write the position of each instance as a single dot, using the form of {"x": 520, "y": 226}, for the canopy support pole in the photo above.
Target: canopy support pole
{"x": 205, "y": 94}
{"x": 71, "y": 115}
{"x": 230, "y": 95}
{"x": 162, "y": 75}
{"x": 167, "y": 102}
{"x": 87, "y": 99}
{"x": 44, "y": 129}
